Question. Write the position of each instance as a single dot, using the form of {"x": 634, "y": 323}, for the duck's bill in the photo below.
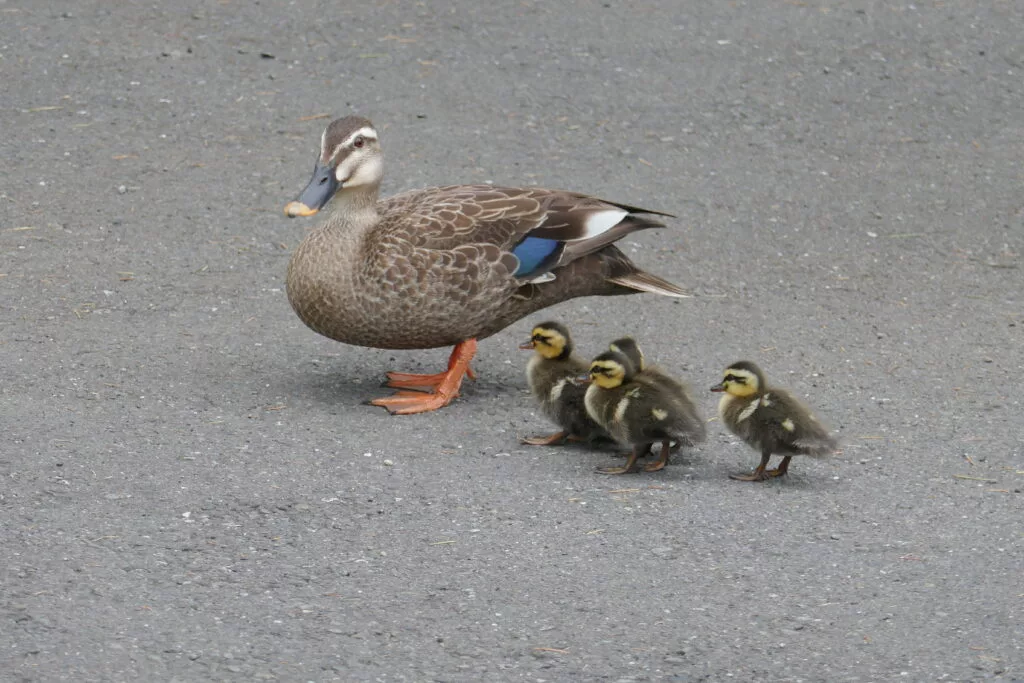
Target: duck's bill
{"x": 526, "y": 346}
{"x": 718, "y": 387}
{"x": 318, "y": 192}
{"x": 293, "y": 209}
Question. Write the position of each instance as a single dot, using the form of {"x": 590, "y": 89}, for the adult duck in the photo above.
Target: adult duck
{"x": 446, "y": 266}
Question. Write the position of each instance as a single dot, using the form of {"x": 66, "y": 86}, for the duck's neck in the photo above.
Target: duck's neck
{"x": 356, "y": 206}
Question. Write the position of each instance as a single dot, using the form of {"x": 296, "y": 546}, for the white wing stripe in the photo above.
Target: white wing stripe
{"x": 601, "y": 221}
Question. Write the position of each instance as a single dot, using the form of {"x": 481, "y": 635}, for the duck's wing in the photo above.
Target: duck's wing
{"x": 543, "y": 229}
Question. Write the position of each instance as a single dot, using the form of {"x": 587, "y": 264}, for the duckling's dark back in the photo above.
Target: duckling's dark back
{"x": 778, "y": 422}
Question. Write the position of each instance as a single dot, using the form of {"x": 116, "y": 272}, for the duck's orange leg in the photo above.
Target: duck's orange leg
{"x": 409, "y": 380}
{"x": 441, "y": 389}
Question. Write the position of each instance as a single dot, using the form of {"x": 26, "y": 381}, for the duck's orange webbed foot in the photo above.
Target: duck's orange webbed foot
{"x": 409, "y": 380}
{"x": 438, "y": 390}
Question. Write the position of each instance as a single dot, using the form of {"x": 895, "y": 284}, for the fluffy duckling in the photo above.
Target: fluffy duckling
{"x": 629, "y": 347}
{"x": 769, "y": 419}
{"x": 553, "y": 373}
{"x": 636, "y": 413}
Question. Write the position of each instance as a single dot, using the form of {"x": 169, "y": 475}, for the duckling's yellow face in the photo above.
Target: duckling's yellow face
{"x": 607, "y": 373}
{"x": 738, "y": 382}
{"x": 548, "y": 342}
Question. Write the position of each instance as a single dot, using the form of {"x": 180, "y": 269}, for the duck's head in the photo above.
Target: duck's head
{"x": 550, "y": 340}
{"x": 350, "y": 158}
{"x": 628, "y": 347}
{"x": 611, "y": 369}
{"x": 742, "y": 378}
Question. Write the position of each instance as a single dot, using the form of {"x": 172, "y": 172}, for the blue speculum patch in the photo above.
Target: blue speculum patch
{"x": 532, "y": 252}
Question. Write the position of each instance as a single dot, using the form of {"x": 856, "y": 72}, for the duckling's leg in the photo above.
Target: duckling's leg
{"x": 556, "y": 438}
{"x": 662, "y": 460}
{"x": 758, "y": 474}
{"x": 781, "y": 469}
{"x": 444, "y": 386}
{"x": 630, "y": 465}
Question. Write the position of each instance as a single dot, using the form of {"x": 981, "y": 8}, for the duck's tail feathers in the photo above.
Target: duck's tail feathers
{"x": 646, "y": 282}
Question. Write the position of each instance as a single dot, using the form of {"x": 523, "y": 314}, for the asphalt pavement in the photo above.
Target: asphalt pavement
{"x": 192, "y": 488}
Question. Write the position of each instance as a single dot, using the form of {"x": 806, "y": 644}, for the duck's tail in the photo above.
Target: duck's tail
{"x": 646, "y": 282}
{"x": 625, "y": 274}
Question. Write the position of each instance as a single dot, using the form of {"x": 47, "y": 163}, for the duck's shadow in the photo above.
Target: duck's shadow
{"x": 339, "y": 386}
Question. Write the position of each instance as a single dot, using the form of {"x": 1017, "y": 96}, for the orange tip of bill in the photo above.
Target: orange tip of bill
{"x": 294, "y": 209}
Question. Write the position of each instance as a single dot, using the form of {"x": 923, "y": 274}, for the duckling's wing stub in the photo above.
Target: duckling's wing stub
{"x": 792, "y": 425}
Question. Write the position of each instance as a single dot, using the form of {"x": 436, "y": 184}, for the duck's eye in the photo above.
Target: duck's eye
{"x": 359, "y": 142}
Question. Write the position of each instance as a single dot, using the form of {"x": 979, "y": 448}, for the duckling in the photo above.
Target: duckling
{"x": 552, "y": 374}
{"x": 637, "y": 413}
{"x": 629, "y": 347}
{"x": 769, "y": 419}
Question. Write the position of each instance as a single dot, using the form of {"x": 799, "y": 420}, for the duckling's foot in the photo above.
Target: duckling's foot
{"x": 758, "y": 474}
{"x": 441, "y": 389}
{"x": 554, "y": 439}
{"x": 781, "y": 469}
{"x": 662, "y": 460}
{"x": 628, "y": 468}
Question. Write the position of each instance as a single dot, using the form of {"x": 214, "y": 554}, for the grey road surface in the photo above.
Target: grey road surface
{"x": 192, "y": 489}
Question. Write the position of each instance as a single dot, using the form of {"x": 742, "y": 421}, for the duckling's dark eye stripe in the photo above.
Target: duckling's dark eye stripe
{"x": 735, "y": 378}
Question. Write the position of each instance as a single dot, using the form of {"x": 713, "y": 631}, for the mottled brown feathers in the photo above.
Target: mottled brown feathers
{"x": 434, "y": 267}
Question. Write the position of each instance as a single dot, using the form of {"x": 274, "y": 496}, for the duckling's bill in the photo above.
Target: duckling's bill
{"x": 318, "y": 192}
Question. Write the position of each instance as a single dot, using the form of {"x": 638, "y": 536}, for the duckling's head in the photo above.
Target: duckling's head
{"x": 742, "y": 378}
{"x": 628, "y": 347}
{"x": 350, "y": 159}
{"x": 551, "y": 340}
{"x": 611, "y": 369}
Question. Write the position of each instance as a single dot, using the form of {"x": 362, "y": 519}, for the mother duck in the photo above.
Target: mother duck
{"x": 445, "y": 266}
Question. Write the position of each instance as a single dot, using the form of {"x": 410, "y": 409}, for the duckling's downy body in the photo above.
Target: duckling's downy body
{"x": 447, "y": 265}
{"x": 652, "y": 374}
{"x": 768, "y": 419}
{"x": 638, "y": 414}
{"x": 553, "y": 373}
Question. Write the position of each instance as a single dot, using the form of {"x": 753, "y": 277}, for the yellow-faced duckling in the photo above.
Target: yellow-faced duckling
{"x": 637, "y": 414}
{"x": 769, "y": 419}
{"x": 446, "y": 266}
{"x": 553, "y": 375}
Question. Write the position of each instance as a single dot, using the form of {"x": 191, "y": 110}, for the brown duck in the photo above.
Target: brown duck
{"x": 446, "y": 266}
